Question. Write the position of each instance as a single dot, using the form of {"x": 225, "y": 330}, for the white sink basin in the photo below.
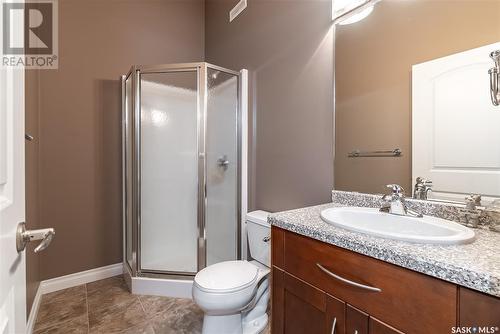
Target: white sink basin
{"x": 427, "y": 230}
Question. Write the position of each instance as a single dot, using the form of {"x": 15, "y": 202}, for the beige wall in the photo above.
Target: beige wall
{"x": 79, "y": 172}
{"x": 288, "y": 48}
{"x": 32, "y": 178}
{"x": 373, "y": 79}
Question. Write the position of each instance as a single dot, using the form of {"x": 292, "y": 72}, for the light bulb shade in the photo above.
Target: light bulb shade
{"x": 346, "y": 11}
{"x": 340, "y": 7}
{"x": 357, "y": 16}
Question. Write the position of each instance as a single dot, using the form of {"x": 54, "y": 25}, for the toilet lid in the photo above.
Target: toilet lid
{"x": 227, "y": 276}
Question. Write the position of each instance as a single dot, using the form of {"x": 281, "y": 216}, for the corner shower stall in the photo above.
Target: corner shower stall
{"x": 182, "y": 163}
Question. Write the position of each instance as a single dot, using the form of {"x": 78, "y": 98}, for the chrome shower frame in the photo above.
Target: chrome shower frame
{"x": 132, "y": 131}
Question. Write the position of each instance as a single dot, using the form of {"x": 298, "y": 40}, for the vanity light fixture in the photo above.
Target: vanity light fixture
{"x": 350, "y": 11}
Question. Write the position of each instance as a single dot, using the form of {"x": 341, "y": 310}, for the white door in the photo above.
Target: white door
{"x": 12, "y": 206}
{"x": 456, "y": 137}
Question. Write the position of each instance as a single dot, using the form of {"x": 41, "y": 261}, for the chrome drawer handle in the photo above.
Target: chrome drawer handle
{"x": 333, "y": 325}
{"x": 342, "y": 279}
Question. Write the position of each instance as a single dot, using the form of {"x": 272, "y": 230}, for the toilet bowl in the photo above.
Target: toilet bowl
{"x": 234, "y": 294}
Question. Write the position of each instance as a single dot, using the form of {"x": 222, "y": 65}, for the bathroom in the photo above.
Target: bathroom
{"x": 324, "y": 175}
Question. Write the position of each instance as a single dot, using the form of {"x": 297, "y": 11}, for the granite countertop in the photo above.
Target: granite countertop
{"x": 475, "y": 265}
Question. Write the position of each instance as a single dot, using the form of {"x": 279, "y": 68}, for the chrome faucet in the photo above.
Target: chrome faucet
{"x": 395, "y": 203}
{"x": 470, "y": 216}
{"x": 422, "y": 188}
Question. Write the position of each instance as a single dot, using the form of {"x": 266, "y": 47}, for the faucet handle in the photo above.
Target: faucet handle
{"x": 423, "y": 181}
{"x": 472, "y": 201}
{"x": 396, "y": 189}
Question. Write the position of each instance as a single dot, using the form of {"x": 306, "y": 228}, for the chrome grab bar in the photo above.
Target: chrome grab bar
{"x": 380, "y": 153}
{"x": 334, "y": 323}
{"x": 346, "y": 281}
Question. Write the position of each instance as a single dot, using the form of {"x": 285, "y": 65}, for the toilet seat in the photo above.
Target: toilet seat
{"x": 227, "y": 277}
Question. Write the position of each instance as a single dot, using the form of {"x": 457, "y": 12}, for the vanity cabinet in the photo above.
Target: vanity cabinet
{"x": 302, "y": 308}
{"x": 316, "y": 286}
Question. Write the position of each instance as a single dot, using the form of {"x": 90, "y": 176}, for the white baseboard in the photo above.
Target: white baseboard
{"x": 162, "y": 287}
{"x": 68, "y": 281}
{"x": 83, "y": 277}
{"x": 34, "y": 311}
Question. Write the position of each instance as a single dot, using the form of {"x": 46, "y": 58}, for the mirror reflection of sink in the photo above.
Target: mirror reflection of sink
{"x": 427, "y": 230}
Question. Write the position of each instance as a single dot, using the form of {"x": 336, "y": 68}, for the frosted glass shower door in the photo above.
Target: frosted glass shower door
{"x": 169, "y": 174}
{"x": 221, "y": 213}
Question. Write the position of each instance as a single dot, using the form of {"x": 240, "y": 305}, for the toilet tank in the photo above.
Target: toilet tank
{"x": 259, "y": 236}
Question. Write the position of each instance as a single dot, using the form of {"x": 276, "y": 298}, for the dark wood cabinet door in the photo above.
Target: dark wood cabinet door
{"x": 335, "y": 315}
{"x": 356, "y": 321}
{"x": 378, "y": 327}
{"x": 305, "y": 307}
{"x": 477, "y": 309}
{"x": 277, "y": 301}
{"x": 302, "y": 317}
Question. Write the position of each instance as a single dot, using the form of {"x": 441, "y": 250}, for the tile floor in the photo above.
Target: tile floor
{"x": 107, "y": 307}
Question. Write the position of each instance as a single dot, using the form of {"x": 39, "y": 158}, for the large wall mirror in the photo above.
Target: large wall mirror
{"x": 413, "y": 99}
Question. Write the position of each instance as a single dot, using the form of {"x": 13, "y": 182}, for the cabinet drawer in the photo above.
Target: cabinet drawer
{"x": 409, "y": 301}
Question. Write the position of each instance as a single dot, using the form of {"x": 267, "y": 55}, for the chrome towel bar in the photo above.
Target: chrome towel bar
{"x": 382, "y": 153}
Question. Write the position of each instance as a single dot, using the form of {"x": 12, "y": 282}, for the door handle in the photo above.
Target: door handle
{"x": 223, "y": 162}
{"x": 334, "y": 323}
{"x": 24, "y": 236}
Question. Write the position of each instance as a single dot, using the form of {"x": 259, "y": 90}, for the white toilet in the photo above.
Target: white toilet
{"x": 234, "y": 294}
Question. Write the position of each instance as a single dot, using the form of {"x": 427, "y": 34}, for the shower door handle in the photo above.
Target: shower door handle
{"x": 223, "y": 162}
